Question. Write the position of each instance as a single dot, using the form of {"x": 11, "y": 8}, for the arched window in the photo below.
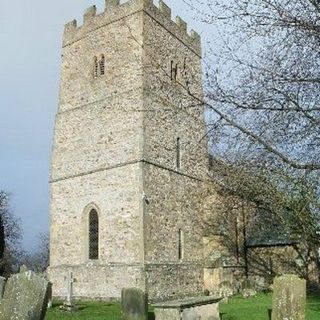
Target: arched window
{"x": 95, "y": 67}
{"x": 93, "y": 235}
{"x": 102, "y": 63}
{"x": 178, "y": 155}
{"x": 174, "y": 70}
{"x": 181, "y": 245}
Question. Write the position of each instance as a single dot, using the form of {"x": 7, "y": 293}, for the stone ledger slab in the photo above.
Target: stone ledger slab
{"x": 204, "y": 308}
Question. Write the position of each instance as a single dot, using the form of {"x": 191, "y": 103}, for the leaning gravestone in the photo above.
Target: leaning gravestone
{"x": 134, "y": 304}
{"x": 50, "y": 298}
{"x": 2, "y": 285}
{"x": 289, "y": 298}
{"x": 248, "y": 289}
{"x": 25, "y": 297}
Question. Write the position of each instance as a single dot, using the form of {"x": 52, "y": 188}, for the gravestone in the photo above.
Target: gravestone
{"x": 25, "y": 297}
{"x": 248, "y": 289}
{"x": 289, "y": 298}
{"x": 69, "y": 305}
{"x": 2, "y": 286}
{"x": 70, "y": 281}
{"x": 50, "y": 298}
{"x": 225, "y": 289}
{"x": 134, "y": 304}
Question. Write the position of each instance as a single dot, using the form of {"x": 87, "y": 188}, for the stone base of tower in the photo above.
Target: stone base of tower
{"x": 96, "y": 282}
{"x": 174, "y": 281}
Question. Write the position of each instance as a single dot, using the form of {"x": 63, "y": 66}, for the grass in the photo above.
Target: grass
{"x": 238, "y": 308}
{"x": 256, "y": 308}
{"x": 89, "y": 311}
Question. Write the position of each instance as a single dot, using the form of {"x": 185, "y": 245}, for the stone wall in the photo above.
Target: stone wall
{"x": 95, "y": 161}
{"x": 116, "y": 195}
{"x": 174, "y": 205}
{"x": 175, "y": 193}
{"x": 98, "y": 281}
{"x": 115, "y": 150}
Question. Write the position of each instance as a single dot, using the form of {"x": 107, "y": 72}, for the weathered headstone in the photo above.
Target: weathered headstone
{"x": 69, "y": 305}
{"x": 225, "y": 289}
{"x": 25, "y": 297}
{"x": 134, "y": 304}
{"x": 2, "y": 286}
{"x": 289, "y": 298}
{"x": 50, "y": 298}
{"x": 248, "y": 289}
{"x": 70, "y": 280}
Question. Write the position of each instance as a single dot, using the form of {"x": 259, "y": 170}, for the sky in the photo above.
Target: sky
{"x": 30, "y": 37}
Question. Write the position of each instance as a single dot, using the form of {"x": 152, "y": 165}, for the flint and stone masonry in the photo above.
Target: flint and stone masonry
{"x": 129, "y": 143}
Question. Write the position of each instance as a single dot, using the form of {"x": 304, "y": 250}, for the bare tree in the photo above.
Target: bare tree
{"x": 38, "y": 260}
{"x": 268, "y": 207}
{"x": 263, "y": 79}
{"x": 2, "y": 242}
{"x": 10, "y": 233}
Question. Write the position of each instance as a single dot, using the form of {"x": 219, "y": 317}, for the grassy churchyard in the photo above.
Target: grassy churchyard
{"x": 238, "y": 308}
{"x": 256, "y": 308}
{"x": 89, "y": 311}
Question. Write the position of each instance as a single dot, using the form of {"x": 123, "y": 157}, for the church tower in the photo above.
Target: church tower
{"x": 130, "y": 155}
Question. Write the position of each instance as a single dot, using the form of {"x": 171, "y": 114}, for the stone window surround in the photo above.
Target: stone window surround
{"x": 85, "y": 224}
{"x": 181, "y": 244}
{"x": 99, "y": 66}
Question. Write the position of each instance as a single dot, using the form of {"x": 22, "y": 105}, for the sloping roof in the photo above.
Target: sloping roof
{"x": 265, "y": 230}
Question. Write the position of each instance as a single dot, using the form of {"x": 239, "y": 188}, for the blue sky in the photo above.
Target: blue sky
{"x": 30, "y": 36}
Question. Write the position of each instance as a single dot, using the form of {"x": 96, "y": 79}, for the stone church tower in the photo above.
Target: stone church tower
{"x": 129, "y": 156}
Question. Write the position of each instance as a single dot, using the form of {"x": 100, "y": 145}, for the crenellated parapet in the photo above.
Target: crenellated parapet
{"x": 89, "y": 14}
{"x": 115, "y": 11}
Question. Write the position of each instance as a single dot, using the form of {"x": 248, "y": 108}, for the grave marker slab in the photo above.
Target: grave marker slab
{"x": 25, "y": 297}
{"x": 289, "y": 298}
{"x": 134, "y": 304}
{"x": 2, "y": 286}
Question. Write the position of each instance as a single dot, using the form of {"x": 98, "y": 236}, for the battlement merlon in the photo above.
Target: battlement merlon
{"x": 115, "y": 11}
{"x": 89, "y": 14}
{"x": 166, "y": 10}
{"x": 111, "y": 3}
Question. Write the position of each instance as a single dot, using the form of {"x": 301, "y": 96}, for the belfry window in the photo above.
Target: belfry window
{"x": 181, "y": 245}
{"x": 102, "y": 63}
{"x": 99, "y": 66}
{"x": 93, "y": 235}
{"x": 95, "y": 67}
{"x": 174, "y": 70}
